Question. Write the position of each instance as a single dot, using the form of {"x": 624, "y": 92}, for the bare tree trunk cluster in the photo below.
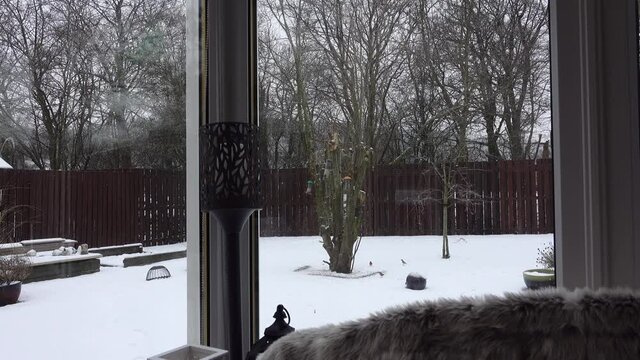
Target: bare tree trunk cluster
{"x": 82, "y": 82}
{"x": 340, "y": 202}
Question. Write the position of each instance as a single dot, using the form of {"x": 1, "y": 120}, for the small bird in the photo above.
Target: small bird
{"x": 370, "y": 263}
{"x": 403, "y": 262}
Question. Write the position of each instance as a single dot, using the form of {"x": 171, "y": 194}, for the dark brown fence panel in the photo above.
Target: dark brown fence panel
{"x": 117, "y": 207}
{"x": 162, "y": 209}
{"x": 511, "y": 197}
{"x": 100, "y": 208}
{"x": 288, "y": 208}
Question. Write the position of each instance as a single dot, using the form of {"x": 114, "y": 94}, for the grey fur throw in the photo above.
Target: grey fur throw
{"x": 549, "y": 324}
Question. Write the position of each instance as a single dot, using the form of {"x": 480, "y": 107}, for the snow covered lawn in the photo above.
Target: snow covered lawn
{"x": 478, "y": 265}
{"x": 117, "y": 315}
{"x": 111, "y": 315}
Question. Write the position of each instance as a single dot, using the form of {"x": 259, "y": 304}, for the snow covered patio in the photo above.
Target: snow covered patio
{"x": 112, "y": 314}
{"x": 117, "y": 314}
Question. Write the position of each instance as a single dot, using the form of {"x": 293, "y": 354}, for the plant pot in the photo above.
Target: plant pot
{"x": 539, "y": 278}
{"x": 9, "y": 294}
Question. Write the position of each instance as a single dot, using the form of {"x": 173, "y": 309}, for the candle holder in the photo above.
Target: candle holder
{"x": 229, "y": 167}
{"x": 230, "y": 190}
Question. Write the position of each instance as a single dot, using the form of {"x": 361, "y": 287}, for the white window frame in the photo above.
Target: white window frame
{"x": 193, "y": 210}
{"x": 596, "y": 145}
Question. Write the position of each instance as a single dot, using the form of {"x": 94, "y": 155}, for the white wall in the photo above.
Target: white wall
{"x": 193, "y": 211}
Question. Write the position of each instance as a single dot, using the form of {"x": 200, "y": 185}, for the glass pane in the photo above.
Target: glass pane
{"x": 403, "y": 138}
{"x": 92, "y": 185}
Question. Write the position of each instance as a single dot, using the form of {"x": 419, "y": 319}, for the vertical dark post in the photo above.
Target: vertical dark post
{"x": 230, "y": 191}
{"x": 230, "y": 98}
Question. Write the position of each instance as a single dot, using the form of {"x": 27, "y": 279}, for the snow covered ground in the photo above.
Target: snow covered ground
{"x": 478, "y": 265}
{"x": 111, "y": 315}
{"x": 117, "y": 315}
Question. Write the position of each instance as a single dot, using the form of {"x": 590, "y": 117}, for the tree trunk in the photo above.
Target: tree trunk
{"x": 515, "y": 143}
{"x": 489, "y": 116}
{"x": 445, "y": 228}
{"x": 340, "y": 256}
{"x": 493, "y": 151}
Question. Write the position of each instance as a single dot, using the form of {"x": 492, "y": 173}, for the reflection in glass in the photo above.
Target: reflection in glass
{"x": 92, "y": 182}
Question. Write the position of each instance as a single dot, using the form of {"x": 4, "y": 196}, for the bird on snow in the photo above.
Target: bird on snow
{"x": 403, "y": 262}
{"x": 370, "y": 263}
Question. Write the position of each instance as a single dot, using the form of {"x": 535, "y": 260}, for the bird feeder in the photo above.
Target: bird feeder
{"x": 309, "y": 187}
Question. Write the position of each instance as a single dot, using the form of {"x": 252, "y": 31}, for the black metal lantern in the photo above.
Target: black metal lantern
{"x": 230, "y": 190}
{"x": 229, "y": 167}
{"x": 278, "y": 329}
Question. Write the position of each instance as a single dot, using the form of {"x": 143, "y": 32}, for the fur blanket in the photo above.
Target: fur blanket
{"x": 549, "y": 324}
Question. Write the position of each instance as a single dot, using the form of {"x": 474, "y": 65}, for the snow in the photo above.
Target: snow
{"x": 478, "y": 265}
{"x": 114, "y": 247}
{"x": 163, "y": 249}
{"x": 10, "y": 246}
{"x": 113, "y": 314}
{"x": 116, "y": 314}
{"x": 50, "y": 259}
{"x": 4, "y": 164}
{"x": 118, "y": 259}
{"x": 537, "y": 273}
{"x": 41, "y": 241}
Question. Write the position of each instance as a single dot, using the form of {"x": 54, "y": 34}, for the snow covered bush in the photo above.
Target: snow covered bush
{"x": 14, "y": 268}
{"x": 547, "y": 257}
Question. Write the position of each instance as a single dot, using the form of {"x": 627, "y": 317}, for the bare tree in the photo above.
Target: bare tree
{"x": 513, "y": 65}
{"x": 127, "y": 40}
{"x": 82, "y": 81}
{"x": 449, "y": 166}
{"x": 424, "y": 105}
{"x": 9, "y": 97}
{"x": 288, "y": 83}
{"x": 51, "y": 68}
{"x": 161, "y": 135}
{"x": 359, "y": 40}
{"x": 487, "y": 68}
{"x": 354, "y": 83}
{"x": 339, "y": 70}
{"x": 450, "y": 67}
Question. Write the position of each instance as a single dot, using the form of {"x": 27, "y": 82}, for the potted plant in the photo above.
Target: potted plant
{"x": 14, "y": 269}
{"x": 544, "y": 276}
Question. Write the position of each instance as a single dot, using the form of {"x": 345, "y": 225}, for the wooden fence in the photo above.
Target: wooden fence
{"x": 514, "y": 197}
{"x": 100, "y": 208}
{"x": 104, "y": 208}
